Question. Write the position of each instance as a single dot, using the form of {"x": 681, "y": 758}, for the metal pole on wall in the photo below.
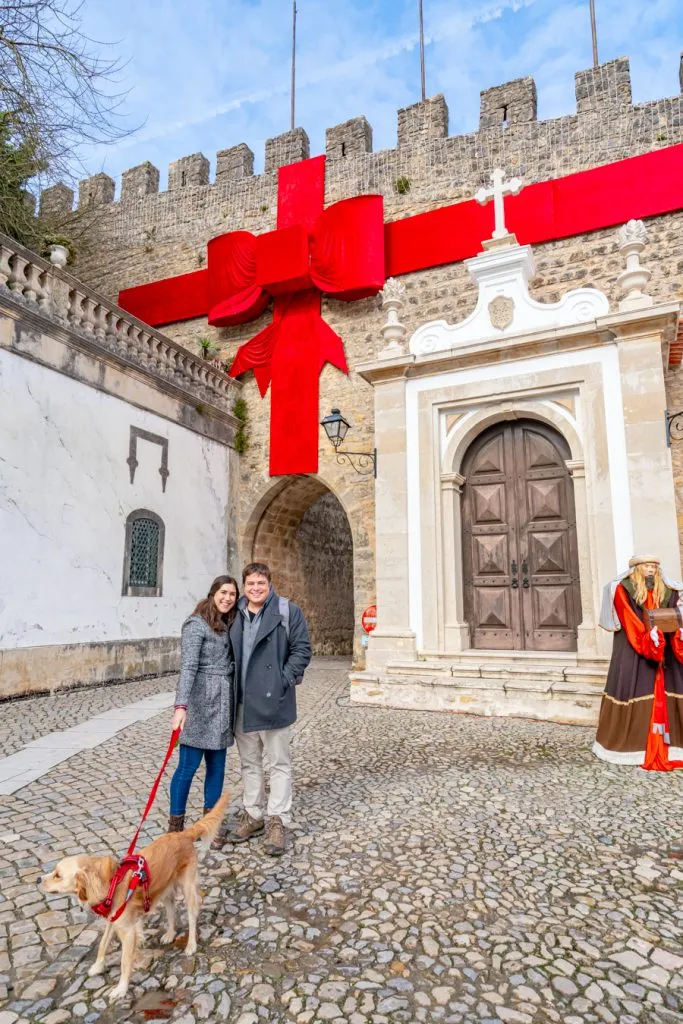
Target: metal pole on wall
{"x": 293, "y": 57}
{"x": 594, "y": 33}
{"x": 422, "y": 54}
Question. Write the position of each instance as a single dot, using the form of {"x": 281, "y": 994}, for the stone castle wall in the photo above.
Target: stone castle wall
{"x": 148, "y": 235}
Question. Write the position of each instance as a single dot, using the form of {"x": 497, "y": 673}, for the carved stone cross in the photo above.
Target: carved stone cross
{"x": 500, "y": 189}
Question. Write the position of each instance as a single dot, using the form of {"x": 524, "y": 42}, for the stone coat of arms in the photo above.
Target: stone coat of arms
{"x": 501, "y": 311}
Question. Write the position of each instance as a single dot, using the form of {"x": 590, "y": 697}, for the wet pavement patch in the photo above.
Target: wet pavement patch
{"x": 156, "y": 1005}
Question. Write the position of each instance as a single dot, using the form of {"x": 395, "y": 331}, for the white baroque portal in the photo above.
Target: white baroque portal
{"x": 504, "y": 306}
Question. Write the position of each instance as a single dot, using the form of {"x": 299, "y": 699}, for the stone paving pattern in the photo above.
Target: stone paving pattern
{"x": 25, "y": 720}
{"x": 443, "y": 868}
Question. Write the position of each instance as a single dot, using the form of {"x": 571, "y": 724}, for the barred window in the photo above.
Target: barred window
{"x": 143, "y": 559}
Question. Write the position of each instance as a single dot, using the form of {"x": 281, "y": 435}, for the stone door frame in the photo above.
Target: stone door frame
{"x": 446, "y": 414}
{"x": 601, "y": 384}
{"x": 456, "y": 632}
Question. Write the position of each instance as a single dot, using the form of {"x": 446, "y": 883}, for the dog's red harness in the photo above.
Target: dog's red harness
{"x": 133, "y": 861}
{"x": 140, "y": 876}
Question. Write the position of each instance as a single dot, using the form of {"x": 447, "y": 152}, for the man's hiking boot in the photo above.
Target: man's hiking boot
{"x": 246, "y": 828}
{"x": 176, "y": 823}
{"x": 274, "y": 845}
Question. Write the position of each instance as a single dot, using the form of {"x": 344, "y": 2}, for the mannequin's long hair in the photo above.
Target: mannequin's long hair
{"x": 640, "y": 587}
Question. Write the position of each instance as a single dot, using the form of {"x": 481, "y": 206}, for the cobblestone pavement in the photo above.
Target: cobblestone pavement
{"x": 22, "y": 721}
{"x": 443, "y": 868}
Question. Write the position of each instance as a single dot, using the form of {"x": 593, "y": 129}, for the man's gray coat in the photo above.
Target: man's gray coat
{"x": 275, "y": 665}
{"x": 205, "y": 686}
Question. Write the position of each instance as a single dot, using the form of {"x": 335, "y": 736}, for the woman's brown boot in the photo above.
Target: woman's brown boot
{"x": 176, "y": 823}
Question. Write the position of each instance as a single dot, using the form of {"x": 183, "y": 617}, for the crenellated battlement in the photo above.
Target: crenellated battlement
{"x": 148, "y": 234}
{"x": 505, "y": 111}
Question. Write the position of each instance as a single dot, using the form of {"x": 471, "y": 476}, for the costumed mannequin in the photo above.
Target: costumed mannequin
{"x": 641, "y": 715}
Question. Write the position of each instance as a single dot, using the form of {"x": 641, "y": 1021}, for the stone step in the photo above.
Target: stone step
{"x": 545, "y": 688}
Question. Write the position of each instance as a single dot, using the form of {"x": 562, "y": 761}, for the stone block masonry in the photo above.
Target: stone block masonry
{"x": 513, "y": 103}
{"x": 422, "y": 121}
{"x": 288, "y": 148}
{"x": 188, "y": 171}
{"x": 427, "y": 169}
{"x": 607, "y": 85}
{"x": 96, "y": 191}
{"x": 349, "y": 139}
{"x": 139, "y": 181}
{"x": 236, "y": 162}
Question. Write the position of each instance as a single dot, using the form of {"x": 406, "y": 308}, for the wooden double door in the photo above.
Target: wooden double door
{"x": 521, "y": 579}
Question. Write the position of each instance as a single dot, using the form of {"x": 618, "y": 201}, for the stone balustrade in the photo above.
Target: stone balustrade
{"x": 67, "y": 302}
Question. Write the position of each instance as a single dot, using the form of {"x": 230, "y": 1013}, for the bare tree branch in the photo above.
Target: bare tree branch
{"x": 59, "y": 90}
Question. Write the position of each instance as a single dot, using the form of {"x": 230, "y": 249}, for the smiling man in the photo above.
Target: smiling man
{"x": 272, "y": 650}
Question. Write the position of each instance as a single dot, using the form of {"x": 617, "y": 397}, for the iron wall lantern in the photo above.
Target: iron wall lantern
{"x": 336, "y": 427}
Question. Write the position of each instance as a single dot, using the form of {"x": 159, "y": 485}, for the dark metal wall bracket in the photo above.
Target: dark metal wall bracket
{"x": 674, "y": 426}
{"x": 367, "y": 461}
{"x": 132, "y": 460}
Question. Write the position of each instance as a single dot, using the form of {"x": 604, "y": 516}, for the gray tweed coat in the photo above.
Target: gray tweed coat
{"x": 205, "y": 686}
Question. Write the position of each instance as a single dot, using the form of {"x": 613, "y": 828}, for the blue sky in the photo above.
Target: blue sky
{"x": 205, "y": 74}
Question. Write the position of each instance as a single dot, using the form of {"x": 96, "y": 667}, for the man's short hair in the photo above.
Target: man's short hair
{"x": 256, "y": 569}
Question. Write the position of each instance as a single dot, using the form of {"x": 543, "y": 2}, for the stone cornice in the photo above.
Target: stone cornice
{"x": 74, "y": 330}
{"x": 606, "y": 330}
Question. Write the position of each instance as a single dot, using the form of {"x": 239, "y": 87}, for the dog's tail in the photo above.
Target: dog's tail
{"x": 207, "y": 827}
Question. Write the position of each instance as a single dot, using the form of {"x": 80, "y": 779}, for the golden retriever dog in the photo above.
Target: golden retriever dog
{"x": 172, "y": 862}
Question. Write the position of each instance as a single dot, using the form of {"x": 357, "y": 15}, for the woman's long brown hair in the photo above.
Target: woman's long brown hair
{"x": 207, "y": 606}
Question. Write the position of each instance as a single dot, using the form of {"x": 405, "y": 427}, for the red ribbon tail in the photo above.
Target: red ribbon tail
{"x": 331, "y": 348}
{"x": 257, "y": 355}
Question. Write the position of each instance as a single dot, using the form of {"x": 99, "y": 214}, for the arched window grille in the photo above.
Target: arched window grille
{"x": 144, "y": 554}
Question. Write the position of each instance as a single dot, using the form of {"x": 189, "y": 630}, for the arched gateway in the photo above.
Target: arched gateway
{"x": 520, "y": 558}
{"x": 301, "y": 530}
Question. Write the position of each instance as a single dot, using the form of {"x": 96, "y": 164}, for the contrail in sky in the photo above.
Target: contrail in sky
{"x": 357, "y": 63}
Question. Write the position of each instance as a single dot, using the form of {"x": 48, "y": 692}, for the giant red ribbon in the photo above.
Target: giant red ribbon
{"x": 338, "y": 251}
{"x": 345, "y": 252}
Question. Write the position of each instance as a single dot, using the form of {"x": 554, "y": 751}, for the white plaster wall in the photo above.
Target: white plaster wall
{"x": 65, "y": 494}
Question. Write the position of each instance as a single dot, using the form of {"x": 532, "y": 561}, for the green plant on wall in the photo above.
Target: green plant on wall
{"x": 208, "y": 349}
{"x": 240, "y": 412}
{"x": 402, "y": 185}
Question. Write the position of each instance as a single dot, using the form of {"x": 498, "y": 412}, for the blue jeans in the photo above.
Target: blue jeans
{"x": 190, "y": 759}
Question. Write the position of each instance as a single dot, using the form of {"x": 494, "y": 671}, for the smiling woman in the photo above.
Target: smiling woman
{"x": 204, "y": 698}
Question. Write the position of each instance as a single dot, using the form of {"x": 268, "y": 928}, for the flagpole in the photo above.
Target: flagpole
{"x": 422, "y": 55}
{"x": 293, "y": 57}
{"x": 594, "y": 33}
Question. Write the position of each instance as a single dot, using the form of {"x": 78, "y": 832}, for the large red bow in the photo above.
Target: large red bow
{"x": 339, "y": 251}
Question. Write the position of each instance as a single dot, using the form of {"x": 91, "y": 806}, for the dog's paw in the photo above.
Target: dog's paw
{"x": 96, "y": 968}
{"x": 118, "y": 992}
{"x": 168, "y": 937}
{"x": 190, "y": 948}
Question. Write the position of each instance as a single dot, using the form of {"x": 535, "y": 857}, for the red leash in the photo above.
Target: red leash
{"x": 175, "y": 736}
{"x": 141, "y": 875}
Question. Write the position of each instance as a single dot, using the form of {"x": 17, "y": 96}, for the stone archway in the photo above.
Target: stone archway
{"x": 305, "y": 537}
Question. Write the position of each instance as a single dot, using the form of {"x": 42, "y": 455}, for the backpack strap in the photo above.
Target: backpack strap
{"x": 283, "y": 608}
